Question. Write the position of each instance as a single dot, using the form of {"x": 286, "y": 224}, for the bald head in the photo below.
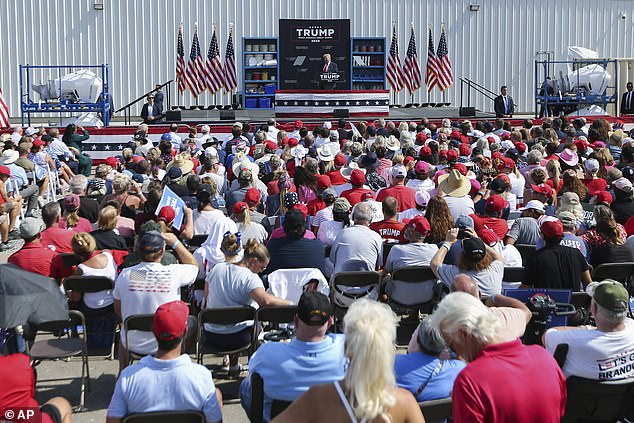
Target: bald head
{"x": 390, "y": 207}
{"x": 465, "y": 283}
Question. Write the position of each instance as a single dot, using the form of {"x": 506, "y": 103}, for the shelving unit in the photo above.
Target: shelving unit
{"x": 368, "y": 64}
{"x": 259, "y": 72}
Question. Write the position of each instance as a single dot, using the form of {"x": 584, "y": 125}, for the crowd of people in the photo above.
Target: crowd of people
{"x": 459, "y": 197}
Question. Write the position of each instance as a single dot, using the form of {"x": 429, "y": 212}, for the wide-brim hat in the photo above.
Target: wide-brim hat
{"x": 370, "y": 161}
{"x": 325, "y": 153}
{"x": 245, "y": 163}
{"x": 182, "y": 161}
{"x": 9, "y": 156}
{"x": 392, "y": 143}
{"x": 454, "y": 184}
{"x": 346, "y": 172}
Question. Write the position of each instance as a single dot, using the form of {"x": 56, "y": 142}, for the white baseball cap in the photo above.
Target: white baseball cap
{"x": 534, "y": 205}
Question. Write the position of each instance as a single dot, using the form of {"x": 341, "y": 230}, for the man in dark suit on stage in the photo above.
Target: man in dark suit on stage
{"x": 627, "y": 101}
{"x": 503, "y": 104}
{"x": 328, "y": 66}
{"x": 152, "y": 112}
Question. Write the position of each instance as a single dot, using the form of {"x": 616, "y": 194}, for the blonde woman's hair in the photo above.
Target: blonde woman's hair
{"x": 83, "y": 244}
{"x": 370, "y": 330}
{"x": 244, "y": 216}
{"x": 554, "y": 168}
{"x": 397, "y": 159}
{"x": 121, "y": 183}
{"x": 72, "y": 218}
{"x": 107, "y": 218}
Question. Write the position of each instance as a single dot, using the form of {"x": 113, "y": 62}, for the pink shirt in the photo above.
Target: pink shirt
{"x": 83, "y": 225}
{"x": 279, "y": 233}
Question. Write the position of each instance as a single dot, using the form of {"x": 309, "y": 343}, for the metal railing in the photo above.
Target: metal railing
{"x": 472, "y": 85}
{"x": 166, "y": 105}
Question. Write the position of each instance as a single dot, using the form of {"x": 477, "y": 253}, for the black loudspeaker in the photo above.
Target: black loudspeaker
{"x": 341, "y": 113}
{"x": 467, "y": 111}
{"x": 173, "y": 115}
{"x": 227, "y": 115}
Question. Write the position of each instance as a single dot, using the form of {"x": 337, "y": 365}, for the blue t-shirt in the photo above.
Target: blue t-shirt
{"x": 414, "y": 369}
{"x": 289, "y": 369}
{"x": 165, "y": 385}
{"x": 569, "y": 240}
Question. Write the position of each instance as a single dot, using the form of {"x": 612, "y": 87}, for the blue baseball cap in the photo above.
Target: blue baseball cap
{"x": 166, "y": 137}
{"x": 151, "y": 242}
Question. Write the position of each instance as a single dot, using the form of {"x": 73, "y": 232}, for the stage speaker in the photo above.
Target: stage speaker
{"x": 341, "y": 113}
{"x": 227, "y": 115}
{"x": 173, "y": 115}
{"x": 467, "y": 111}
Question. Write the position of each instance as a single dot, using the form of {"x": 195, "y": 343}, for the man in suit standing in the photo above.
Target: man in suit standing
{"x": 503, "y": 104}
{"x": 152, "y": 112}
{"x": 627, "y": 101}
{"x": 328, "y": 66}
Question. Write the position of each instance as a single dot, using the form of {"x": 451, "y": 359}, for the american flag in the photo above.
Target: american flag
{"x": 180, "y": 61}
{"x": 394, "y": 71}
{"x": 445, "y": 76}
{"x": 213, "y": 67}
{"x": 431, "y": 74}
{"x": 230, "y": 64}
{"x": 4, "y": 112}
{"x": 411, "y": 70}
{"x": 194, "y": 77}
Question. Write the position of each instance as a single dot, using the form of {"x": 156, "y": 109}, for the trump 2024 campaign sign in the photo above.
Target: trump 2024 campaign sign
{"x": 303, "y": 44}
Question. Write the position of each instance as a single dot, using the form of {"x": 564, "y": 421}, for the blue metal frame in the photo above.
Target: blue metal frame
{"x": 28, "y": 106}
{"x": 368, "y": 53}
{"x": 245, "y": 68}
{"x": 579, "y": 97}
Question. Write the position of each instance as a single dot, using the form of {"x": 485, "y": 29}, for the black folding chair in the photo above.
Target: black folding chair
{"x": 414, "y": 275}
{"x": 437, "y": 411}
{"x": 621, "y": 272}
{"x": 222, "y": 316}
{"x": 64, "y": 345}
{"x": 140, "y": 322}
{"x": 513, "y": 277}
{"x": 598, "y": 401}
{"x": 197, "y": 241}
{"x": 91, "y": 284}
{"x": 257, "y": 401}
{"x": 274, "y": 316}
{"x": 166, "y": 417}
{"x": 347, "y": 287}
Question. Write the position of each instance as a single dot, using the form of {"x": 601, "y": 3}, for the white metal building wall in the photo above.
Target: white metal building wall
{"x": 493, "y": 46}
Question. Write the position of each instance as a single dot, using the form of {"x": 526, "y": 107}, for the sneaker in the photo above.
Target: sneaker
{"x": 14, "y": 234}
{"x": 236, "y": 369}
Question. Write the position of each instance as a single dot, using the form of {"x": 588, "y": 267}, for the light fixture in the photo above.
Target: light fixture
{"x": 98, "y": 5}
{"x": 474, "y": 7}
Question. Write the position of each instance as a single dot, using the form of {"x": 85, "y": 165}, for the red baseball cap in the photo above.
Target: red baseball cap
{"x": 166, "y": 214}
{"x": 420, "y": 224}
{"x": 239, "y": 207}
{"x": 421, "y": 137}
{"x": 495, "y": 203}
{"x": 323, "y": 182}
{"x": 340, "y": 160}
{"x": 497, "y": 155}
{"x": 38, "y": 142}
{"x": 252, "y": 196}
{"x": 542, "y": 189}
{"x": 581, "y": 144}
{"x": 455, "y": 134}
{"x": 407, "y": 160}
{"x": 442, "y": 154}
{"x": 506, "y": 163}
{"x": 170, "y": 320}
{"x": 604, "y": 197}
{"x": 460, "y": 167}
{"x": 425, "y": 152}
{"x": 552, "y": 229}
{"x": 357, "y": 177}
{"x": 464, "y": 149}
{"x": 112, "y": 161}
{"x": 504, "y": 177}
{"x": 452, "y": 155}
{"x": 293, "y": 142}
{"x": 302, "y": 208}
{"x": 5, "y": 170}
{"x": 285, "y": 141}
{"x": 491, "y": 140}
{"x": 506, "y": 136}
{"x": 520, "y": 147}
{"x": 422, "y": 167}
{"x": 298, "y": 124}
{"x": 270, "y": 145}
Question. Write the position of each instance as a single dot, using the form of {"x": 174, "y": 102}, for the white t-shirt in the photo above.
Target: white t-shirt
{"x": 489, "y": 280}
{"x": 459, "y": 205}
{"x": 253, "y": 231}
{"x": 204, "y": 220}
{"x": 230, "y": 285}
{"x": 410, "y": 214}
{"x": 221, "y": 182}
{"x": 414, "y": 254}
{"x": 96, "y": 300}
{"x": 517, "y": 184}
{"x": 594, "y": 354}
{"x": 328, "y": 232}
{"x": 357, "y": 248}
{"x": 421, "y": 184}
{"x": 143, "y": 288}
{"x": 321, "y": 216}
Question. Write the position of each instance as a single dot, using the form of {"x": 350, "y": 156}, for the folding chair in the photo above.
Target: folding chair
{"x": 346, "y": 287}
{"x": 290, "y": 284}
{"x": 594, "y": 400}
{"x": 223, "y": 316}
{"x": 64, "y": 347}
{"x": 513, "y": 277}
{"x": 257, "y": 401}
{"x": 526, "y": 251}
{"x": 91, "y": 284}
{"x": 166, "y": 417}
{"x": 621, "y": 272}
{"x": 16, "y": 191}
{"x": 198, "y": 240}
{"x": 53, "y": 185}
{"x": 140, "y": 322}
{"x": 415, "y": 282}
{"x": 437, "y": 411}
{"x": 274, "y": 316}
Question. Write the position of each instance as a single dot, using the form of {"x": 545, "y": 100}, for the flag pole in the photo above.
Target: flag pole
{"x": 392, "y": 88}
{"x": 230, "y": 92}
{"x": 411, "y": 93}
{"x": 430, "y": 28}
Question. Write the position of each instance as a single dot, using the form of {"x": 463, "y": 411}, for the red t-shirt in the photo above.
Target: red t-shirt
{"x": 354, "y": 195}
{"x": 499, "y": 226}
{"x": 83, "y": 225}
{"x": 57, "y": 239}
{"x": 489, "y": 388}
{"x": 17, "y": 388}
{"x": 392, "y": 231}
{"x": 336, "y": 178}
{"x": 315, "y": 205}
{"x": 35, "y": 257}
{"x": 595, "y": 185}
{"x": 406, "y": 196}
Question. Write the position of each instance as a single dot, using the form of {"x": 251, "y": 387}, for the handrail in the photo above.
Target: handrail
{"x": 475, "y": 86}
{"x": 126, "y": 108}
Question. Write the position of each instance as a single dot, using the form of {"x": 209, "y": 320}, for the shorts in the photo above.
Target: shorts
{"x": 52, "y": 412}
{"x": 228, "y": 341}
